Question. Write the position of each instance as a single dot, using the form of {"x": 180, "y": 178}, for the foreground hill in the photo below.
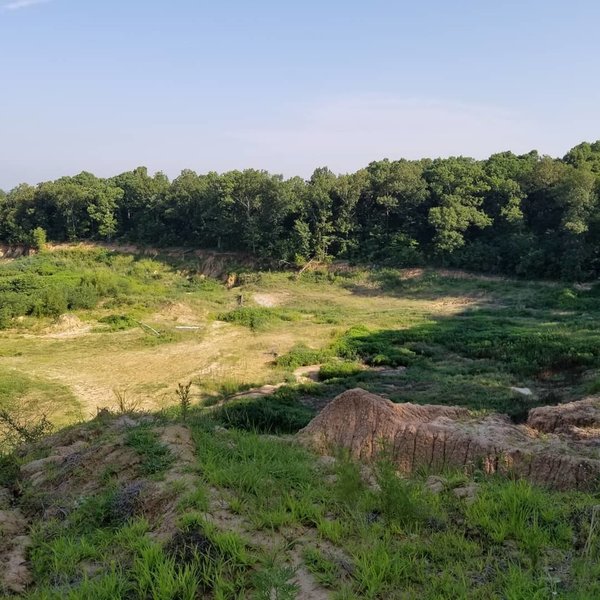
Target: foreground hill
{"x": 172, "y": 506}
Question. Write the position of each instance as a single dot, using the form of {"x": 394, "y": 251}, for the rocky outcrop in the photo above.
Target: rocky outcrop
{"x": 437, "y": 437}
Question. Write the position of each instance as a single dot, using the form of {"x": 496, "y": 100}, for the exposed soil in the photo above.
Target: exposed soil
{"x": 78, "y": 462}
{"x": 269, "y": 300}
{"x": 437, "y": 437}
{"x": 67, "y": 326}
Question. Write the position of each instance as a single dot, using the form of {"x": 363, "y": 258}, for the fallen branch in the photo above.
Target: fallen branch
{"x": 144, "y": 326}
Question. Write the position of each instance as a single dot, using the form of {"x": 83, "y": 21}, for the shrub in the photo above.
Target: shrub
{"x": 336, "y": 369}
{"x": 300, "y": 356}
{"x": 255, "y": 317}
{"x": 5, "y": 317}
{"x": 118, "y": 322}
{"x": 38, "y": 239}
{"x": 9, "y": 470}
{"x": 82, "y": 296}
{"x": 53, "y": 304}
{"x": 265, "y": 415}
{"x": 18, "y": 430}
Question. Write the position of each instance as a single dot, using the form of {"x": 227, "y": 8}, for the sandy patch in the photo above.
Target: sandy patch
{"x": 67, "y": 326}
{"x": 178, "y": 313}
{"x": 270, "y": 300}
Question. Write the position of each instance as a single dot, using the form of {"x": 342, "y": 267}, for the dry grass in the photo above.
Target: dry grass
{"x": 91, "y": 365}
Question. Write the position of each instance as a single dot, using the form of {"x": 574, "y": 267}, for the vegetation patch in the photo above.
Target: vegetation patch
{"x": 257, "y": 318}
{"x": 270, "y": 414}
{"x": 117, "y": 322}
{"x": 156, "y": 457}
{"x": 339, "y": 369}
{"x": 301, "y": 355}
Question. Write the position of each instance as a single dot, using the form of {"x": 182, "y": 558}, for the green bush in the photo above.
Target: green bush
{"x": 256, "y": 317}
{"x": 9, "y": 470}
{"x": 53, "y": 303}
{"x": 38, "y": 239}
{"x": 270, "y": 414}
{"x": 83, "y": 296}
{"x": 5, "y": 317}
{"x": 300, "y": 356}
{"x": 336, "y": 369}
{"x": 118, "y": 322}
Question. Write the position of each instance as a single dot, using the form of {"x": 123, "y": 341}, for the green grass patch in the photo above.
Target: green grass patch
{"x": 257, "y": 317}
{"x": 301, "y": 355}
{"x": 270, "y": 414}
{"x": 339, "y": 369}
{"x": 156, "y": 457}
{"x": 117, "y": 322}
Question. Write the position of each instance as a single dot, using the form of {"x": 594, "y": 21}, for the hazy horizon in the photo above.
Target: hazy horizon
{"x": 104, "y": 87}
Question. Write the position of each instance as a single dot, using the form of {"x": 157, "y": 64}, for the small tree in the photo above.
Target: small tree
{"x": 38, "y": 237}
{"x": 183, "y": 393}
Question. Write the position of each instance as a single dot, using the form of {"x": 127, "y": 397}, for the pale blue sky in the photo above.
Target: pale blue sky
{"x": 108, "y": 85}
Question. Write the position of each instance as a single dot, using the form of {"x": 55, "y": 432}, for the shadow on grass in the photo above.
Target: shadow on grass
{"x": 471, "y": 359}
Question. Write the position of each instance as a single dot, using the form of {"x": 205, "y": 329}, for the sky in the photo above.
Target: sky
{"x": 108, "y": 85}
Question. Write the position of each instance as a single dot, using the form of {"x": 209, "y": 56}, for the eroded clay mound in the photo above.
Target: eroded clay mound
{"x": 436, "y": 437}
{"x": 81, "y": 463}
{"x": 567, "y": 418}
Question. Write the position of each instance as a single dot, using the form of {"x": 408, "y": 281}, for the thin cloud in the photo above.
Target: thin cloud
{"x": 346, "y": 133}
{"x": 20, "y": 4}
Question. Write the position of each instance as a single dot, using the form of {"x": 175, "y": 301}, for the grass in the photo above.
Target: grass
{"x": 257, "y": 318}
{"x": 357, "y": 540}
{"x": 460, "y": 341}
{"x": 275, "y": 414}
{"x": 156, "y": 458}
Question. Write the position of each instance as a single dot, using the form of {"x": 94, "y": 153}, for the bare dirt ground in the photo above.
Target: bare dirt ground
{"x": 67, "y": 326}
{"x": 93, "y": 365}
{"x": 270, "y": 300}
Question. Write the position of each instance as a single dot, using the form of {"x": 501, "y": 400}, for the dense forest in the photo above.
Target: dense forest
{"x": 527, "y": 215}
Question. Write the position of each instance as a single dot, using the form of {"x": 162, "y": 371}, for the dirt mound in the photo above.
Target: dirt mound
{"x": 77, "y": 465}
{"x": 437, "y": 437}
{"x": 177, "y": 312}
{"x": 67, "y": 325}
{"x": 567, "y": 418}
{"x": 269, "y": 300}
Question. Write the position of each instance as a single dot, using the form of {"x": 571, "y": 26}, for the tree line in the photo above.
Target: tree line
{"x": 528, "y": 215}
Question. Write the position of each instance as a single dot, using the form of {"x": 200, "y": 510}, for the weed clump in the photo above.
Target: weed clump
{"x": 271, "y": 414}
{"x": 301, "y": 355}
{"x": 118, "y": 322}
{"x": 156, "y": 457}
{"x": 126, "y": 503}
{"x": 257, "y": 317}
{"x": 400, "y": 500}
{"x": 183, "y": 394}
